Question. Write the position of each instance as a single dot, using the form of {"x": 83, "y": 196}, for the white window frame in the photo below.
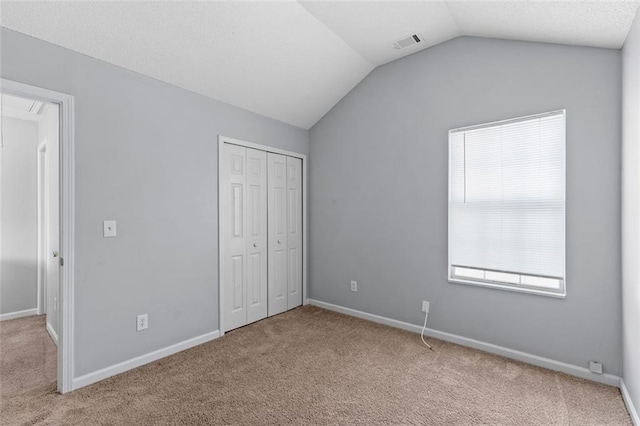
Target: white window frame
{"x": 520, "y": 288}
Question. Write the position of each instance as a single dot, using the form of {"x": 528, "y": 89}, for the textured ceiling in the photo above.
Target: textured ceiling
{"x": 371, "y": 27}
{"x": 596, "y": 23}
{"x": 275, "y": 59}
{"x": 292, "y": 61}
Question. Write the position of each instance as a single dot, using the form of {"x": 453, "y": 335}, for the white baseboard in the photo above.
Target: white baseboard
{"x": 629, "y": 403}
{"x": 574, "y": 370}
{"x": 141, "y": 360}
{"x": 19, "y": 314}
{"x": 52, "y": 333}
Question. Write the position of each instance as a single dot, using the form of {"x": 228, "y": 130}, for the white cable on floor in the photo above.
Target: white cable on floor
{"x": 426, "y": 315}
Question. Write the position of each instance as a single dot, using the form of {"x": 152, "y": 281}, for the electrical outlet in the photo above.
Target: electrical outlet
{"x": 142, "y": 322}
{"x": 354, "y": 285}
{"x": 425, "y": 306}
{"x": 595, "y": 367}
{"x": 109, "y": 228}
{"x": 55, "y": 304}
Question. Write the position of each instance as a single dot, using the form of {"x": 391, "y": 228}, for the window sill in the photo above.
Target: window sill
{"x": 536, "y": 292}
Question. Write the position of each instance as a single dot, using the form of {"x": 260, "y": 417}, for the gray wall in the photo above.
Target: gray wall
{"x": 146, "y": 156}
{"x": 19, "y": 216}
{"x": 379, "y": 193}
{"x": 631, "y": 212}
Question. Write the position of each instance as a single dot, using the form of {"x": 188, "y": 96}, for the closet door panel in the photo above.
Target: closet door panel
{"x": 277, "y": 219}
{"x": 233, "y": 229}
{"x": 294, "y": 232}
{"x": 256, "y": 235}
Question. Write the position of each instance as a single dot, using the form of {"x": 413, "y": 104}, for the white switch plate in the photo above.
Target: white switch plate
{"x": 354, "y": 285}
{"x": 109, "y": 228}
{"x": 142, "y": 322}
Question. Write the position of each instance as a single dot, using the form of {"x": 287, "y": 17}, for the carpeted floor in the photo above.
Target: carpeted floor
{"x": 307, "y": 366}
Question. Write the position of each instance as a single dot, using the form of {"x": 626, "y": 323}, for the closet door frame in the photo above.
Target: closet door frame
{"x": 223, "y": 203}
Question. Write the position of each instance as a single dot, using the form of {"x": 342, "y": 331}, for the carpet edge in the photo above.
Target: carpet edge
{"x": 19, "y": 314}
{"x": 121, "y": 367}
{"x": 626, "y": 397}
{"x": 572, "y": 370}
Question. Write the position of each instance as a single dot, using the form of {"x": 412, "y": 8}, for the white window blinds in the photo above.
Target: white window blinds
{"x": 507, "y": 203}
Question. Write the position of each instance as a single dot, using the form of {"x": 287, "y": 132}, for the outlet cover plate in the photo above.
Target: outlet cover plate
{"x": 142, "y": 322}
{"x": 354, "y": 285}
{"x": 109, "y": 228}
{"x": 425, "y": 306}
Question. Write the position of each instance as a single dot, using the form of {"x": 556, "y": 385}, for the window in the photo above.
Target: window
{"x": 507, "y": 204}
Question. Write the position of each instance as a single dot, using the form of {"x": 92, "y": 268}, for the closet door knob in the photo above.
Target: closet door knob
{"x": 255, "y": 245}
{"x": 279, "y": 242}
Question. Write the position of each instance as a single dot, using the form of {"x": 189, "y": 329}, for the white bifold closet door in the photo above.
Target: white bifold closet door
{"x": 261, "y": 234}
{"x": 285, "y": 232}
{"x": 294, "y": 232}
{"x": 243, "y": 225}
{"x": 277, "y": 195}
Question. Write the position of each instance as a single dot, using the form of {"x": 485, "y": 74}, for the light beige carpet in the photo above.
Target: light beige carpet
{"x": 307, "y": 366}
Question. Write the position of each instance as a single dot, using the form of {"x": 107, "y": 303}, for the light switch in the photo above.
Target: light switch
{"x": 109, "y": 227}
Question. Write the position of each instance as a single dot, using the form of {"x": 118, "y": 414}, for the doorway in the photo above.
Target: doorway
{"x": 36, "y": 227}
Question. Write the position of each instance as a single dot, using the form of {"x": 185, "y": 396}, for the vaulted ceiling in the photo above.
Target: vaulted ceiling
{"x": 294, "y": 60}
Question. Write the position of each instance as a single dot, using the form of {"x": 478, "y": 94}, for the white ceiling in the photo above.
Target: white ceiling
{"x": 292, "y": 61}
{"x": 371, "y": 27}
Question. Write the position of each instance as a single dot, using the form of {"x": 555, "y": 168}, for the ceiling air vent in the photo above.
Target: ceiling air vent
{"x": 408, "y": 41}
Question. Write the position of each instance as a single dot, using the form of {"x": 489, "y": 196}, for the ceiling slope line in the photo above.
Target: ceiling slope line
{"x": 346, "y": 43}
{"x": 157, "y": 80}
{"x": 453, "y": 18}
{"x": 276, "y": 61}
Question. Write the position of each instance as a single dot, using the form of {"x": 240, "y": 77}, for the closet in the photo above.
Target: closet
{"x": 261, "y": 238}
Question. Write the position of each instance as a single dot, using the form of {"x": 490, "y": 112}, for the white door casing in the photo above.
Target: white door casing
{"x": 294, "y": 232}
{"x": 256, "y": 225}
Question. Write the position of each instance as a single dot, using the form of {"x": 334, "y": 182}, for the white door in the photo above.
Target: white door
{"x": 43, "y": 231}
{"x": 243, "y": 220}
{"x": 277, "y": 204}
{"x": 53, "y": 265}
{"x": 232, "y": 228}
{"x": 50, "y": 131}
{"x": 256, "y": 235}
{"x": 294, "y": 231}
